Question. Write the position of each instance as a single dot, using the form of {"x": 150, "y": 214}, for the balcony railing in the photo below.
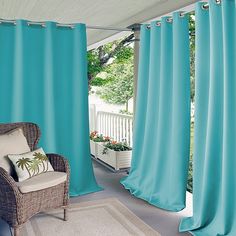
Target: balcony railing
{"x": 117, "y": 126}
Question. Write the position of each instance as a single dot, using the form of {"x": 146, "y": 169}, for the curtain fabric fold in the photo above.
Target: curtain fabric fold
{"x": 162, "y": 121}
{"x": 214, "y": 189}
{"x": 43, "y": 79}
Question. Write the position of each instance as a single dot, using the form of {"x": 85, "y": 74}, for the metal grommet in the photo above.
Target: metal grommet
{"x": 42, "y": 24}
{"x": 182, "y": 14}
{"x": 169, "y": 20}
{"x": 14, "y": 22}
{"x": 218, "y": 2}
{"x": 205, "y": 6}
{"x": 148, "y": 27}
{"x": 158, "y": 23}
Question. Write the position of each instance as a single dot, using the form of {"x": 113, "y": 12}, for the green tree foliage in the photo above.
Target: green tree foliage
{"x": 192, "y": 78}
{"x": 190, "y": 171}
{"x": 192, "y": 53}
{"x": 94, "y": 64}
{"x": 98, "y": 82}
{"x": 120, "y": 88}
{"x": 101, "y": 58}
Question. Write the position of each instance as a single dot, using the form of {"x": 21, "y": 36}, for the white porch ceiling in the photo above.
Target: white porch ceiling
{"x": 112, "y": 13}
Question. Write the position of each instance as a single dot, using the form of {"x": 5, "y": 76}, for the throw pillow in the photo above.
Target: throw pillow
{"x": 30, "y": 164}
{"x": 13, "y": 142}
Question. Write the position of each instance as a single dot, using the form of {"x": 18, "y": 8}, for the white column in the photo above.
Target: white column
{"x": 93, "y": 117}
{"x": 136, "y": 30}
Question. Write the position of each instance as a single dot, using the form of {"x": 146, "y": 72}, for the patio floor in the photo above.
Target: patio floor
{"x": 166, "y": 223}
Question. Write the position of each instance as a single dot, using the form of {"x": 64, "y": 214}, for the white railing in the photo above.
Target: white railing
{"x": 117, "y": 126}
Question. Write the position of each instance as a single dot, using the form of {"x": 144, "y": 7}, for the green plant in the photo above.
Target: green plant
{"x": 99, "y": 138}
{"x": 190, "y": 175}
{"x": 125, "y": 112}
{"x": 94, "y": 136}
{"x": 99, "y": 82}
{"x": 190, "y": 171}
{"x": 116, "y": 146}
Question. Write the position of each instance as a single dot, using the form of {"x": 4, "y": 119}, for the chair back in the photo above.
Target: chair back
{"x": 31, "y": 132}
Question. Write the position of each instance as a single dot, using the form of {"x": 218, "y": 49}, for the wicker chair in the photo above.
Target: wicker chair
{"x": 15, "y": 207}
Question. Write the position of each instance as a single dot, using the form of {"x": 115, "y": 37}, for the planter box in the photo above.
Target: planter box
{"x": 93, "y": 147}
{"x": 117, "y": 160}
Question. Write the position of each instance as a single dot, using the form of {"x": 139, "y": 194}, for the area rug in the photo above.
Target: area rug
{"x": 107, "y": 217}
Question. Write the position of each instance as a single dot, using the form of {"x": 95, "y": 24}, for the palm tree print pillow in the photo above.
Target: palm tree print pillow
{"x": 30, "y": 164}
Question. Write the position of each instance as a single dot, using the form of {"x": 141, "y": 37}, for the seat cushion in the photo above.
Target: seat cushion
{"x": 13, "y": 142}
{"x": 42, "y": 181}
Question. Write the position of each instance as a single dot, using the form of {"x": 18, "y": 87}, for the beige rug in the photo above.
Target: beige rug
{"x": 108, "y": 217}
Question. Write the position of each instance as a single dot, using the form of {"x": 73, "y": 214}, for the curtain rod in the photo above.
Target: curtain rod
{"x": 107, "y": 28}
{"x": 169, "y": 19}
{"x": 92, "y": 27}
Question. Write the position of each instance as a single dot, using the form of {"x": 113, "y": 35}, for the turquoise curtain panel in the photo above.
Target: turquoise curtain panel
{"x": 162, "y": 120}
{"x": 43, "y": 79}
{"x": 214, "y": 193}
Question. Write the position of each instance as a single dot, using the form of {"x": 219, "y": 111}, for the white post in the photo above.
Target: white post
{"x": 93, "y": 117}
{"x": 136, "y": 30}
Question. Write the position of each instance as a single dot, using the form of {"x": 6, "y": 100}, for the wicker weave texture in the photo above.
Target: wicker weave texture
{"x": 16, "y": 208}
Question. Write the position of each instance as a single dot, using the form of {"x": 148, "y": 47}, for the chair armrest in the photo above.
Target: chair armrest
{"x": 8, "y": 183}
{"x": 10, "y": 198}
{"x": 59, "y": 163}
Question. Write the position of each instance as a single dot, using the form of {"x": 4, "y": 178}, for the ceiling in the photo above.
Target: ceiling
{"x": 112, "y": 13}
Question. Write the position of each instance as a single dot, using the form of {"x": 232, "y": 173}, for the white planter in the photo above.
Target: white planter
{"x": 118, "y": 160}
{"x": 93, "y": 147}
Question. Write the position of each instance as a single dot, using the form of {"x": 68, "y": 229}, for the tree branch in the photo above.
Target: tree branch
{"x": 105, "y": 58}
